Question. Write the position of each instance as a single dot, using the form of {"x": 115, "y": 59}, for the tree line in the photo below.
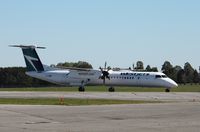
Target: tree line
{"x": 16, "y": 77}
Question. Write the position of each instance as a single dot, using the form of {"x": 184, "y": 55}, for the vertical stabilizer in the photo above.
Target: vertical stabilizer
{"x": 32, "y": 60}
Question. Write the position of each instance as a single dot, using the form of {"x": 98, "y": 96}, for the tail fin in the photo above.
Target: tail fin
{"x": 31, "y": 57}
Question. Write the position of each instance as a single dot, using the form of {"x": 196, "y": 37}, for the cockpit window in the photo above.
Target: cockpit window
{"x": 158, "y": 76}
{"x": 164, "y": 76}
{"x": 161, "y": 76}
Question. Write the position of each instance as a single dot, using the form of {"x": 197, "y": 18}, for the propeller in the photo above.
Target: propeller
{"x": 105, "y": 73}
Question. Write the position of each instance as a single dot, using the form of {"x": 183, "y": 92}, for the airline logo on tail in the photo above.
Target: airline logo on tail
{"x": 30, "y": 60}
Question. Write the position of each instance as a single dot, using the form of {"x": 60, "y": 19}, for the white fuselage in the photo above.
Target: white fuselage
{"x": 117, "y": 78}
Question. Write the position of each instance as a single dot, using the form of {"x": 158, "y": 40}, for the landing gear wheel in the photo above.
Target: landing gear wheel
{"x": 167, "y": 90}
{"x": 81, "y": 89}
{"x": 111, "y": 89}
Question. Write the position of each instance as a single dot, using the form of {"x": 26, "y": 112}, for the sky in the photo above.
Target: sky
{"x": 120, "y": 32}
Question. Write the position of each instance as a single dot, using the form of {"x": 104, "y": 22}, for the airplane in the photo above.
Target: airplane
{"x": 81, "y": 77}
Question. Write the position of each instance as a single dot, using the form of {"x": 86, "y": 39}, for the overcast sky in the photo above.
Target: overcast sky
{"x": 120, "y": 32}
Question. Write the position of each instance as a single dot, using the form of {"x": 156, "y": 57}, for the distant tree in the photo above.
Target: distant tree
{"x": 83, "y": 64}
{"x": 139, "y": 65}
{"x": 148, "y": 68}
{"x": 176, "y": 69}
{"x": 79, "y": 64}
{"x": 189, "y": 72}
{"x": 168, "y": 69}
{"x": 181, "y": 76}
{"x": 153, "y": 69}
{"x": 195, "y": 77}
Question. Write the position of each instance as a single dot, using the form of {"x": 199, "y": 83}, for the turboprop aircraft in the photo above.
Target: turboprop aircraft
{"x": 80, "y": 77}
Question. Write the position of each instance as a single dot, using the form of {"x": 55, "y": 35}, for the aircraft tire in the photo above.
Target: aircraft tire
{"x": 167, "y": 90}
{"x": 111, "y": 89}
{"x": 81, "y": 89}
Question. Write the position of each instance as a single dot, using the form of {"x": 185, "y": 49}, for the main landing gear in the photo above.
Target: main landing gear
{"x": 167, "y": 90}
{"x": 111, "y": 89}
{"x": 81, "y": 89}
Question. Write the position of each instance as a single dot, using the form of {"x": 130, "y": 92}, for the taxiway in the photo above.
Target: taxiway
{"x": 166, "y": 117}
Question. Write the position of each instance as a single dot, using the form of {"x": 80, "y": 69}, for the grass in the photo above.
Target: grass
{"x": 187, "y": 88}
{"x": 69, "y": 102}
{"x": 181, "y": 88}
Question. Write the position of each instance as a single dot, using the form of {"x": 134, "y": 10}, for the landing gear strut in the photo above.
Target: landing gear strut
{"x": 167, "y": 90}
{"x": 81, "y": 89}
{"x": 111, "y": 89}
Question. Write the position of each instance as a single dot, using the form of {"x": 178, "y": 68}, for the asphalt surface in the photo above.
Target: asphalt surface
{"x": 166, "y": 117}
{"x": 182, "y": 114}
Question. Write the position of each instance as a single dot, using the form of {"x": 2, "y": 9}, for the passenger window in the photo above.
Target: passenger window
{"x": 49, "y": 75}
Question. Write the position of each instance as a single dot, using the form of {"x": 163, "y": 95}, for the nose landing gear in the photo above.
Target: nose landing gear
{"x": 81, "y": 89}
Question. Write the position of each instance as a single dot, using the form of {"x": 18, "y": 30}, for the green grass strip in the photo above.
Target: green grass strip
{"x": 69, "y": 102}
{"x": 181, "y": 88}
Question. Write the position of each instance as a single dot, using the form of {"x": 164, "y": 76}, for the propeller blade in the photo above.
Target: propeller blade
{"x": 105, "y": 65}
{"x": 101, "y": 69}
{"x": 108, "y": 77}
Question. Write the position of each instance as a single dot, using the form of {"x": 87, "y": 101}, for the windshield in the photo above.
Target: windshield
{"x": 160, "y": 76}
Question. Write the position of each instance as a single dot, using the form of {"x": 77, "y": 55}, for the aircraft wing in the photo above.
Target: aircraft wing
{"x": 74, "y": 68}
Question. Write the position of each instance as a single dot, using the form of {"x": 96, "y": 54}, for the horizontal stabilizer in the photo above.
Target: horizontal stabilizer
{"x": 27, "y": 46}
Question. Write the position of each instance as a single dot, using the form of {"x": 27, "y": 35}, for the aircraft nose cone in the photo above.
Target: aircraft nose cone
{"x": 173, "y": 84}
{"x": 169, "y": 83}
